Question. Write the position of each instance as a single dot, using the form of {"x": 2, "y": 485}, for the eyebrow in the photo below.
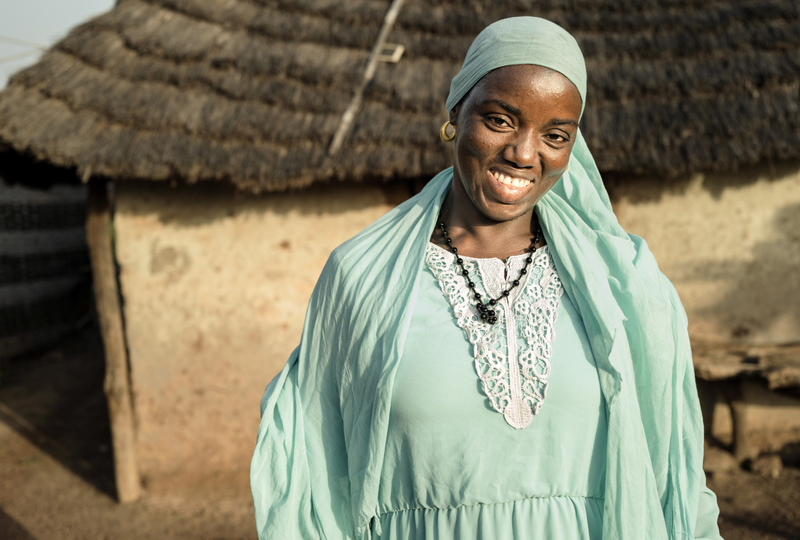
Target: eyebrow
{"x": 510, "y": 108}
{"x": 563, "y": 121}
{"x": 517, "y": 112}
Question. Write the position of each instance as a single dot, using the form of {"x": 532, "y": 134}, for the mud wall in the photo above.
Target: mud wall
{"x": 215, "y": 286}
{"x": 730, "y": 243}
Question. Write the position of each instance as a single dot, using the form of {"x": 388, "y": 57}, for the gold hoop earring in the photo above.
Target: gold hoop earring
{"x": 443, "y": 132}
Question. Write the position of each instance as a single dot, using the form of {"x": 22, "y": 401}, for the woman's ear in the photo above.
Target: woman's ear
{"x": 454, "y": 114}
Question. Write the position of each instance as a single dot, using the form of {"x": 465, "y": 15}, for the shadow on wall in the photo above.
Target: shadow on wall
{"x": 738, "y": 270}
{"x": 762, "y": 291}
{"x": 769, "y": 282}
{"x": 639, "y": 188}
{"x": 193, "y": 205}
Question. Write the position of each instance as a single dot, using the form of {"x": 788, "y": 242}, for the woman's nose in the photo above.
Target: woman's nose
{"x": 523, "y": 151}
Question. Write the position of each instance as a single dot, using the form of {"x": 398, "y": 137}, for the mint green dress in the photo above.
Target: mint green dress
{"x": 454, "y": 466}
{"x": 320, "y": 467}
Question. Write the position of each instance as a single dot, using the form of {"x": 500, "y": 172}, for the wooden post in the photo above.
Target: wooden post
{"x": 734, "y": 394}
{"x": 117, "y": 382}
{"x": 707, "y": 392}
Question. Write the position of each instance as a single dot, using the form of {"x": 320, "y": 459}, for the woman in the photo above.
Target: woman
{"x": 496, "y": 357}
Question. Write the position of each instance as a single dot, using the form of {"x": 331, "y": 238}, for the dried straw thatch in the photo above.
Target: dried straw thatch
{"x": 252, "y": 91}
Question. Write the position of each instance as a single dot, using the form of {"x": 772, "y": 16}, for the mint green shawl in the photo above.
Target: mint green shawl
{"x": 320, "y": 447}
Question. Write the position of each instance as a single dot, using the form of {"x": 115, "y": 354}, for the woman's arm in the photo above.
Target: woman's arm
{"x": 298, "y": 474}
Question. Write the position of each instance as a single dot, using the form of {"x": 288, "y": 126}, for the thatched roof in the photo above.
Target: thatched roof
{"x": 253, "y": 91}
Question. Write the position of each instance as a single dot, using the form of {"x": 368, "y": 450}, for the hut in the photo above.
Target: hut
{"x": 232, "y": 144}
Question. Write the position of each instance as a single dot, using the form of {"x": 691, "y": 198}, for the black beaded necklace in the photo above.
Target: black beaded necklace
{"x": 486, "y": 309}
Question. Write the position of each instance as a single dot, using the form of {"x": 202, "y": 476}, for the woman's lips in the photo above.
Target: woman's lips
{"x": 510, "y": 180}
{"x": 508, "y": 189}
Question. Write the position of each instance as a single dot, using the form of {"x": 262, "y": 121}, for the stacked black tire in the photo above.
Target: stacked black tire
{"x": 45, "y": 277}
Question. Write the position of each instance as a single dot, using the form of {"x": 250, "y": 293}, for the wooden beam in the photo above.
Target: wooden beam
{"x": 733, "y": 391}
{"x": 369, "y": 72}
{"x": 117, "y": 381}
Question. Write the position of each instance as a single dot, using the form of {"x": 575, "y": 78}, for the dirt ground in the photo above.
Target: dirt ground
{"x": 56, "y": 476}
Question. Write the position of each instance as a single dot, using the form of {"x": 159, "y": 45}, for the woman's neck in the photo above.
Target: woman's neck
{"x": 475, "y": 235}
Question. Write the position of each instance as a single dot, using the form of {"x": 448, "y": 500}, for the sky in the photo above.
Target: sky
{"x": 29, "y": 26}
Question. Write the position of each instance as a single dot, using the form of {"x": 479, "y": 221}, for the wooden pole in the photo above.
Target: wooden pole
{"x": 117, "y": 381}
{"x": 372, "y": 65}
{"x": 733, "y": 390}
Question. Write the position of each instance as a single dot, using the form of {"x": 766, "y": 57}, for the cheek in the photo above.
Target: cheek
{"x": 478, "y": 142}
{"x": 547, "y": 185}
{"x": 475, "y": 158}
{"x": 557, "y": 158}
{"x": 468, "y": 161}
{"x": 550, "y": 183}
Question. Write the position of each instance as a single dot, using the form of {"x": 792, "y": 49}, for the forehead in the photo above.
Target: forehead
{"x": 528, "y": 84}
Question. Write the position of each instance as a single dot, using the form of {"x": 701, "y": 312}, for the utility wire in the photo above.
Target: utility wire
{"x": 11, "y": 58}
{"x": 22, "y": 43}
{"x": 33, "y": 48}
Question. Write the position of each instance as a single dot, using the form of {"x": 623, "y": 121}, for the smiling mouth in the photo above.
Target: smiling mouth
{"x": 510, "y": 180}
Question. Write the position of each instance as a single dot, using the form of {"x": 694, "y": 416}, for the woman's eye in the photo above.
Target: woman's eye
{"x": 557, "y": 137}
{"x": 499, "y": 122}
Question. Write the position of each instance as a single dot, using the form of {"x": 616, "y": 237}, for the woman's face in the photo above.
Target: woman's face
{"x": 514, "y": 133}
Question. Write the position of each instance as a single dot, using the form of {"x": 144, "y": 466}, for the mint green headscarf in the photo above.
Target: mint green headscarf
{"x": 316, "y": 468}
{"x": 520, "y": 40}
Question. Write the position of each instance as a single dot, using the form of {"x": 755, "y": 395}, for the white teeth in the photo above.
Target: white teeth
{"x": 510, "y": 180}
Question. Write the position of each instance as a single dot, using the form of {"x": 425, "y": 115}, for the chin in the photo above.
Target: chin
{"x": 502, "y": 213}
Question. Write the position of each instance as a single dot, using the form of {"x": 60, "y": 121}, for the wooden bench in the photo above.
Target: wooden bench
{"x": 725, "y": 367}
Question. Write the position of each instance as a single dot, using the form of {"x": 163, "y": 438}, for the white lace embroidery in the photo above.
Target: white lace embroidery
{"x": 512, "y": 356}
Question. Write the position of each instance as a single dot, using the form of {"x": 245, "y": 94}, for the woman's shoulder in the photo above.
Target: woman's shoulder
{"x": 395, "y": 229}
